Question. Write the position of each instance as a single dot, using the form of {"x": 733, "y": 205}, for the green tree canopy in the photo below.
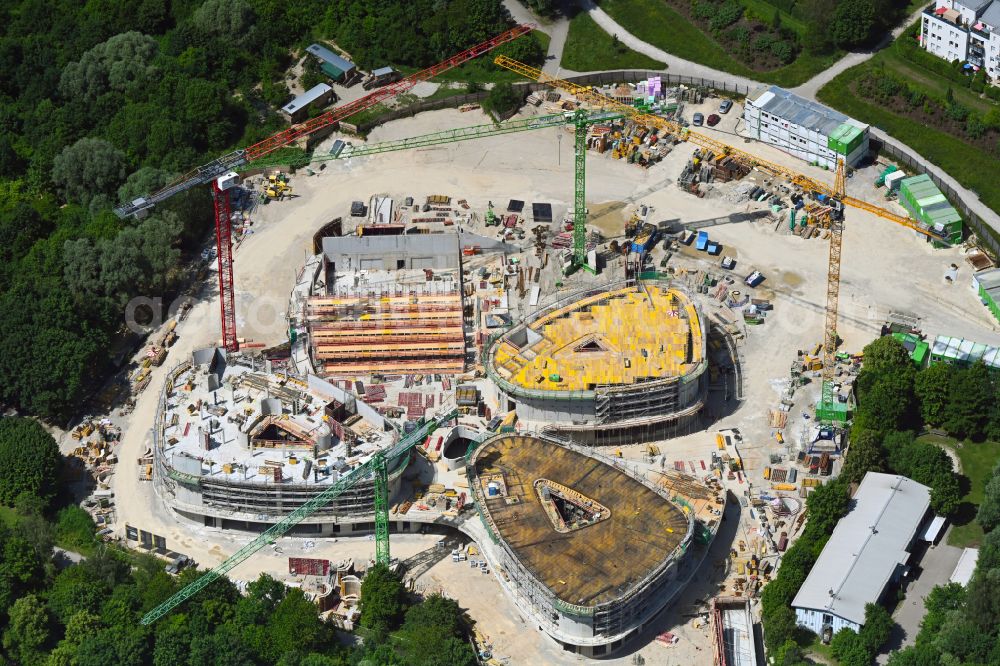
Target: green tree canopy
{"x": 864, "y": 455}
{"x": 29, "y": 460}
{"x": 88, "y": 168}
{"x": 382, "y": 598}
{"x": 933, "y": 389}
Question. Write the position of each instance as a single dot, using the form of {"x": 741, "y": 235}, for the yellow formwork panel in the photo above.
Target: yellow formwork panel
{"x": 622, "y": 325}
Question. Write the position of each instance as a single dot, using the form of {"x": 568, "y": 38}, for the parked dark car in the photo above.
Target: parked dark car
{"x": 713, "y": 120}
{"x": 725, "y": 106}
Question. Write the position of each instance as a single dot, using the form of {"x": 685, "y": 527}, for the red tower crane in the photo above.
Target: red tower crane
{"x": 220, "y": 172}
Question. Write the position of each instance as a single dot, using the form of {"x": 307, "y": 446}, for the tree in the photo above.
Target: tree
{"x": 971, "y": 402}
{"x": 878, "y": 625}
{"x": 230, "y": 20}
{"x": 849, "y": 649}
{"x": 853, "y": 22}
{"x": 117, "y": 65}
{"x": 503, "y": 101}
{"x": 29, "y": 460}
{"x": 887, "y": 355}
{"x": 75, "y": 590}
{"x": 27, "y": 629}
{"x": 864, "y": 455}
{"x": 933, "y": 389}
{"x": 75, "y": 528}
{"x": 295, "y": 625}
{"x": 988, "y": 515}
{"x": 87, "y": 168}
{"x": 382, "y": 597}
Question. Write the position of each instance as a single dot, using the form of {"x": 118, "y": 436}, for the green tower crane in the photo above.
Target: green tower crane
{"x": 375, "y": 467}
{"x": 580, "y": 119}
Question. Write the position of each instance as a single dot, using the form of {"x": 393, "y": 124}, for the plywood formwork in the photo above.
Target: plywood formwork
{"x": 362, "y": 334}
{"x": 612, "y": 339}
{"x": 588, "y": 566}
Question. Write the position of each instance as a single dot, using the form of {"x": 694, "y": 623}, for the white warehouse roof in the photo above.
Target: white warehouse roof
{"x": 866, "y": 547}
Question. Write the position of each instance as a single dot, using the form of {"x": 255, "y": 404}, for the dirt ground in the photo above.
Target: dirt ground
{"x": 883, "y": 268}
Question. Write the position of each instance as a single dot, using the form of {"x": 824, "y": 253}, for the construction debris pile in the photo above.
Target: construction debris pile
{"x": 705, "y": 166}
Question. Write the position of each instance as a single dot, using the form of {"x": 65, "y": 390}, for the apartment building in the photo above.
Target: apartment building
{"x": 964, "y": 30}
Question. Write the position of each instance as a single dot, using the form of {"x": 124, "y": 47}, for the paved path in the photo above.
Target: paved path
{"x": 556, "y": 29}
{"x": 812, "y": 86}
{"x": 675, "y": 65}
{"x": 934, "y": 568}
{"x": 682, "y": 67}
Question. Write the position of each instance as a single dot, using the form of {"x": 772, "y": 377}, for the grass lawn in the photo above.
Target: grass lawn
{"x": 589, "y": 48}
{"x": 654, "y": 22}
{"x": 929, "y": 81}
{"x": 978, "y": 461}
{"x": 972, "y": 167}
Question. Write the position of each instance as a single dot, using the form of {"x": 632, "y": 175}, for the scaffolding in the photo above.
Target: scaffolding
{"x": 363, "y": 333}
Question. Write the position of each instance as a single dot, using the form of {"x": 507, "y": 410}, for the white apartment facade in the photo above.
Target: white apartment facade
{"x": 964, "y": 30}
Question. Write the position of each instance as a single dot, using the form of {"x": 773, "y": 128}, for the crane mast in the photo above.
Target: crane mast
{"x": 220, "y": 172}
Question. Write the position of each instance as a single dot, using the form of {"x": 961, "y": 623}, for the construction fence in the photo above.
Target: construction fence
{"x": 984, "y": 222}
{"x": 987, "y": 231}
{"x": 594, "y": 79}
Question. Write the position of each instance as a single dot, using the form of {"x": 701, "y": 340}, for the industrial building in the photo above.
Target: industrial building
{"x": 626, "y": 364}
{"x": 565, "y": 523}
{"x": 240, "y": 448}
{"x": 387, "y": 304}
{"x": 337, "y": 68}
{"x": 866, "y": 555}
{"x": 810, "y": 131}
{"x": 318, "y": 96}
{"x": 964, "y": 30}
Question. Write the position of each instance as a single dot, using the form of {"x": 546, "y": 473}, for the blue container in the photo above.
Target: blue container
{"x": 702, "y": 241}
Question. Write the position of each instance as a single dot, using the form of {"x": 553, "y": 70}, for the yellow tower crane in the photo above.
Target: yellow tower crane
{"x": 837, "y": 193}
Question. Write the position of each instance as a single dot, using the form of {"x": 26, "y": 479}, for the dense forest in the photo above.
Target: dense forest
{"x": 105, "y": 100}
{"x": 896, "y": 400}
{"x": 54, "y": 612}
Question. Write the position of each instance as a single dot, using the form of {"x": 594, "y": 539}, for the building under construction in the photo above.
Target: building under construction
{"x": 589, "y": 550}
{"x": 387, "y": 305}
{"x": 239, "y": 448}
{"x": 624, "y": 364}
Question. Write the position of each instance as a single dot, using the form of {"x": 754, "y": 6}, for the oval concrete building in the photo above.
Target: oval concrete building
{"x": 589, "y": 550}
{"x": 624, "y": 364}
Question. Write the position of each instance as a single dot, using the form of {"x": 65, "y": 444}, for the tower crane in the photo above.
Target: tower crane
{"x": 837, "y": 193}
{"x": 375, "y": 468}
{"x": 220, "y": 172}
{"x": 580, "y": 120}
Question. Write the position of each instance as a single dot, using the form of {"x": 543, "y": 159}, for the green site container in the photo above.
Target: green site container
{"x": 331, "y": 71}
{"x": 835, "y": 412}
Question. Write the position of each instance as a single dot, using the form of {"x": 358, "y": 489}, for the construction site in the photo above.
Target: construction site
{"x": 623, "y": 365}
{"x": 604, "y": 372}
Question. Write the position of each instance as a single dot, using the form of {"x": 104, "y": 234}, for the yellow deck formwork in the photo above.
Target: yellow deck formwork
{"x": 618, "y": 338}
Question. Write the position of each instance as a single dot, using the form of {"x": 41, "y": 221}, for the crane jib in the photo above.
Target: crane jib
{"x": 229, "y": 162}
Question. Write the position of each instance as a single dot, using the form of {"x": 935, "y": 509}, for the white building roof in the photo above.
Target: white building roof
{"x": 306, "y": 98}
{"x": 966, "y": 565}
{"x": 965, "y": 351}
{"x": 866, "y": 547}
{"x": 799, "y": 111}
